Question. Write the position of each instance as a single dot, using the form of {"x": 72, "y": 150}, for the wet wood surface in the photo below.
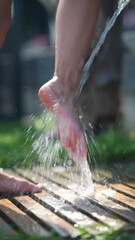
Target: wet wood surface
{"x": 63, "y": 205}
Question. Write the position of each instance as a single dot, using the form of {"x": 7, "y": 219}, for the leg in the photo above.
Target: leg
{"x": 11, "y": 184}
{"x": 75, "y": 24}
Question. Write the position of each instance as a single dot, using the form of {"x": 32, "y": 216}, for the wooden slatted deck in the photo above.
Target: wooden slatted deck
{"x": 61, "y": 208}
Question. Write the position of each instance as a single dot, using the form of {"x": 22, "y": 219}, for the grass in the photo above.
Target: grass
{"x": 16, "y": 143}
{"x": 112, "y": 145}
{"x": 21, "y": 236}
{"x": 109, "y": 234}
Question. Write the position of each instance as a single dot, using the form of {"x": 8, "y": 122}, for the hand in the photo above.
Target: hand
{"x": 5, "y": 19}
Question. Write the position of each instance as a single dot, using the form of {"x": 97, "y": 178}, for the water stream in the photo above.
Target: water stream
{"x": 84, "y": 168}
{"x": 109, "y": 24}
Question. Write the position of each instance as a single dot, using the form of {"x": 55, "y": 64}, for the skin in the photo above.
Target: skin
{"x": 11, "y": 184}
{"x": 8, "y": 183}
{"x": 75, "y": 25}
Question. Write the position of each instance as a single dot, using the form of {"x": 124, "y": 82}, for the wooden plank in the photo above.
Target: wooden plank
{"x": 48, "y": 217}
{"x": 62, "y": 205}
{"x": 99, "y": 188}
{"x": 130, "y": 184}
{"x": 64, "y": 209}
{"x": 106, "y": 190}
{"x": 58, "y": 224}
{"x": 71, "y": 185}
{"x": 116, "y": 196}
{"x": 102, "y": 198}
{"x": 20, "y": 218}
{"x": 68, "y": 212}
{"x": 71, "y": 214}
{"x": 123, "y": 189}
{"x": 6, "y": 228}
{"x": 118, "y": 186}
{"x": 79, "y": 202}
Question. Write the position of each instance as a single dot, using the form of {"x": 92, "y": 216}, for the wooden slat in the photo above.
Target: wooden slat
{"x": 119, "y": 187}
{"x": 105, "y": 191}
{"x": 116, "y": 196}
{"x": 23, "y": 221}
{"x": 48, "y": 217}
{"x": 63, "y": 203}
{"x": 66, "y": 210}
{"x": 62, "y": 196}
{"x": 81, "y": 203}
{"x": 127, "y": 201}
{"x": 117, "y": 208}
{"x": 130, "y": 184}
{"x": 124, "y": 189}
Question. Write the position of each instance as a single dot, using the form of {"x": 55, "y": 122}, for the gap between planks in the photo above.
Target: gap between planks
{"x": 67, "y": 208}
{"x": 65, "y": 191}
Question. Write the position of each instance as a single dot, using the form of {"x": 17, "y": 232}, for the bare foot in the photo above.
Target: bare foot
{"x": 52, "y": 95}
{"x": 10, "y": 184}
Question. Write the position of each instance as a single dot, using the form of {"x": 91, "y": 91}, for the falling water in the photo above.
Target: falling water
{"x": 109, "y": 24}
{"x": 85, "y": 172}
{"x": 86, "y": 183}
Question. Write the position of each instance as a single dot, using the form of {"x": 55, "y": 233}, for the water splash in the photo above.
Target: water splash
{"x": 50, "y": 152}
{"x": 47, "y": 149}
{"x": 47, "y": 145}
